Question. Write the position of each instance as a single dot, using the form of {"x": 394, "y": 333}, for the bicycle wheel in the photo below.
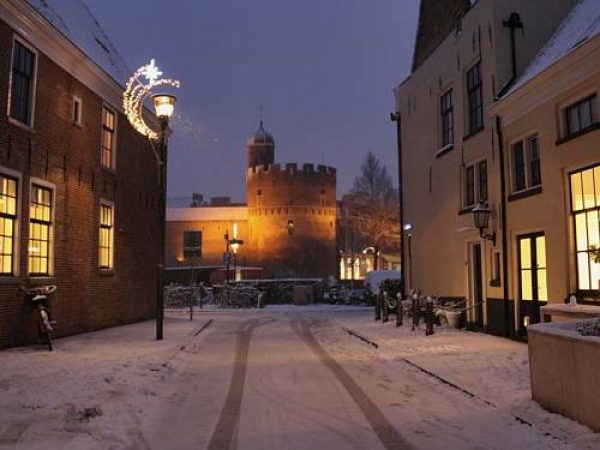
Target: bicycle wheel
{"x": 47, "y": 337}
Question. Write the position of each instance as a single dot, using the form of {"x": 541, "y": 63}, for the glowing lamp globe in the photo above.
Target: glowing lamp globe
{"x": 164, "y": 105}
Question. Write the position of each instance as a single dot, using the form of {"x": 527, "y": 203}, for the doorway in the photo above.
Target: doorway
{"x": 476, "y": 286}
{"x": 532, "y": 278}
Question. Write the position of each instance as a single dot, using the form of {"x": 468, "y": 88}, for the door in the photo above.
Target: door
{"x": 532, "y": 278}
{"x": 477, "y": 285}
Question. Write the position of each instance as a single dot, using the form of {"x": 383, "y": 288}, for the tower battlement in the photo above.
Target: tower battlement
{"x": 292, "y": 169}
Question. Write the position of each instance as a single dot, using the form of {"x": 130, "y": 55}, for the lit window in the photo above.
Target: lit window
{"x": 526, "y": 164}
{"x": 475, "y": 187}
{"x": 108, "y": 138}
{"x": 106, "y": 247}
{"x": 447, "y": 115}
{"x": 22, "y": 83}
{"x": 8, "y": 218}
{"x": 585, "y": 208}
{"x": 475, "y": 97}
{"x": 40, "y": 230}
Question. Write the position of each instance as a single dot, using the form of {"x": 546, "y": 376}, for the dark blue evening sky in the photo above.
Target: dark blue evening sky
{"x": 322, "y": 69}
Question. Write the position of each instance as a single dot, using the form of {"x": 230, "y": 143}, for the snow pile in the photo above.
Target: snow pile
{"x": 582, "y": 24}
{"x": 74, "y": 20}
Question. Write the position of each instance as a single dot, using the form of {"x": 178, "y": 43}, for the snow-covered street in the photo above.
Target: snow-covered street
{"x": 281, "y": 378}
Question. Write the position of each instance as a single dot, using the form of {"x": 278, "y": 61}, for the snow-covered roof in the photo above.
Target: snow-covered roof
{"x": 75, "y": 21}
{"x": 582, "y": 24}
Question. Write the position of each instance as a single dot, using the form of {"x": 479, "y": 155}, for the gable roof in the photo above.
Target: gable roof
{"x": 76, "y": 22}
{"x": 582, "y": 24}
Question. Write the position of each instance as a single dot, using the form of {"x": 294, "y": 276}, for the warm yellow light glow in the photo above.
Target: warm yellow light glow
{"x": 164, "y": 104}
{"x": 136, "y": 93}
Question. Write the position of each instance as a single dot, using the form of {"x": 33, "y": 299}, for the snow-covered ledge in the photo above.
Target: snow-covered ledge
{"x": 564, "y": 368}
{"x": 561, "y": 312}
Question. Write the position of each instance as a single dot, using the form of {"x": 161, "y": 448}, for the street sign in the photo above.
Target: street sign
{"x": 192, "y": 244}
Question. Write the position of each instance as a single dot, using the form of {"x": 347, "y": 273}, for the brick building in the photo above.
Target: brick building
{"x": 78, "y": 197}
{"x": 288, "y": 225}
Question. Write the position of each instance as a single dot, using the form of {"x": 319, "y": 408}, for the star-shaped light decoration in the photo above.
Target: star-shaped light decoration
{"x": 151, "y": 72}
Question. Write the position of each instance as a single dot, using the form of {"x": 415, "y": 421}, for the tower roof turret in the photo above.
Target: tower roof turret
{"x": 260, "y": 137}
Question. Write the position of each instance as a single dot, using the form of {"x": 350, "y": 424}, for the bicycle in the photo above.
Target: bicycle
{"x": 39, "y": 296}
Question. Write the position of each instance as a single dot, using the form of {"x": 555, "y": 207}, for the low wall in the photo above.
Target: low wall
{"x": 564, "y": 368}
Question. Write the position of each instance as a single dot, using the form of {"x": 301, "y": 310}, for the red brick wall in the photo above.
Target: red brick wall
{"x": 69, "y": 157}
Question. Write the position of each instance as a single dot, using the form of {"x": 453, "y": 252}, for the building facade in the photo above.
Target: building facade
{"x": 451, "y": 159}
{"x": 550, "y": 123}
{"x": 288, "y": 224}
{"x": 78, "y": 198}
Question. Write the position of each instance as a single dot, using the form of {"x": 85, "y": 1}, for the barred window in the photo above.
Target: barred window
{"x": 106, "y": 245}
{"x": 108, "y": 138}
{"x": 22, "y": 83}
{"x": 8, "y": 218}
{"x": 40, "y": 228}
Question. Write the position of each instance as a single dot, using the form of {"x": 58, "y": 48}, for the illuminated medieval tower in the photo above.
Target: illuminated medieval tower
{"x": 291, "y": 213}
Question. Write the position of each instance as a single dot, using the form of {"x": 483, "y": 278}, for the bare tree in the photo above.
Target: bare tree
{"x": 373, "y": 206}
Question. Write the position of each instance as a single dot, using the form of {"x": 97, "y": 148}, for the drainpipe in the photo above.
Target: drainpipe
{"x": 513, "y": 23}
{"x": 506, "y": 303}
{"x": 395, "y": 117}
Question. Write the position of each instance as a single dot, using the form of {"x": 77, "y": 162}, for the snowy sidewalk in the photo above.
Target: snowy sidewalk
{"x": 74, "y": 397}
{"x": 495, "y": 370}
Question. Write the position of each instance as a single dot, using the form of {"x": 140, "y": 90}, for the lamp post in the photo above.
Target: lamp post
{"x": 481, "y": 217}
{"x": 235, "y": 246}
{"x": 164, "y": 105}
{"x": 137, "y": 89}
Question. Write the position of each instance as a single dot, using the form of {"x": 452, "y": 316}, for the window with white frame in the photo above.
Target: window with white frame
{"x": 447, "y": 117}
{"x": 585, "y": 209}
{"x": 106, "y": 238}
{"x": 22, "y": 83}
{"x": 108, "y": 138}
{"x": 526, "y": 170}
{"x": 40, "y": 230}
{"x": 474, "y": 184}
{"x": 582, "y": 115}
{"x": 8, "y": 220}
{"x": 77, "y": 105}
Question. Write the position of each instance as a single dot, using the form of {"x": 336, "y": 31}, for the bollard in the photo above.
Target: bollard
{"x": 429, "y": 317}
{"x": 415, "y": 312}
{"x": 386, "y": 307}
{"x": 378, "y": 307}
{"x": 399, "y": 314}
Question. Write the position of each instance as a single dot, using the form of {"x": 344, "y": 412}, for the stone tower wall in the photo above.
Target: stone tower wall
{"x": 303, "y": 196}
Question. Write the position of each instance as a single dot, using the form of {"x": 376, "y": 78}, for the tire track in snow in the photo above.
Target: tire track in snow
{"x": 387, "y": 434}
{"x": 227, "y": 427}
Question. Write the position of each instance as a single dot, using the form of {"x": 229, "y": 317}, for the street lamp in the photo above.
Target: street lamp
{"x": 164, "y": 106}
{"x": 235, "y": 246}
{"x": 481, "y": 217}
{"x": 138, "y": 88}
